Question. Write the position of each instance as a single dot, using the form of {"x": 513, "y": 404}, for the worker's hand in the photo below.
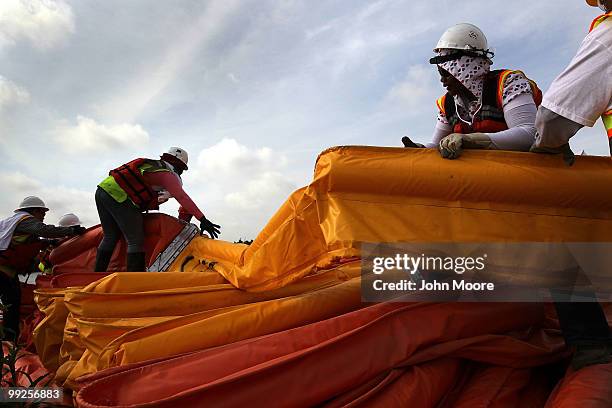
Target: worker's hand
{"x": 451, "y": 146}
{"x": 53, "y": 242}
{"x": 163, "y": 196}
{"x": 565, "y": 150}
{"x": 78, "y": 230}
{"x": 212, "y": 229}
{"x": 409, "y": 143}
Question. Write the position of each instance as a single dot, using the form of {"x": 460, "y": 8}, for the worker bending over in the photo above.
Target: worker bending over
{"x": 133, "y": 188}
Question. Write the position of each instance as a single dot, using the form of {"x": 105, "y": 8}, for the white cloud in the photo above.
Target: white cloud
{"x": 12, "y": 94}
{"x": 416, "y": 89}
{"x": 175, "y": 57}
{"x": 20, "y": 183}
{"x": 291, "y": 75}
{"x": 89, "y": 136}
{"x": 365, "y": 36}
{"x": 267, "y": 187}
{"x": 44, "y": 23}
{"x": 229, "y": 158}
{"x": 238, "y": 187}
{"x": 59, "y": 199}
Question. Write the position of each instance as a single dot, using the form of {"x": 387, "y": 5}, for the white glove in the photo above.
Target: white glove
{"x": 452, "y": 145}
{"x": 163, "y": 196}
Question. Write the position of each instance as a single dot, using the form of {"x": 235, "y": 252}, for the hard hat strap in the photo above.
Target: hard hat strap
{"x": 460, "y": 53}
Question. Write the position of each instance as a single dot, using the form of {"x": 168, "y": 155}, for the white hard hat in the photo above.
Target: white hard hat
{"x": 32, "y": 202}
{"x": 69, "y": 220}
{"x": 178, "y": 153}
{"x": 463, "y": 36}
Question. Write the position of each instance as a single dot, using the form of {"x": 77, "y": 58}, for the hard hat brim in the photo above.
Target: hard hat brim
{"x": 27, "y": 208}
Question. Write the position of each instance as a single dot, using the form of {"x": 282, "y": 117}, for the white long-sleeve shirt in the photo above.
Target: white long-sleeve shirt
{"x": 581, "y": 93}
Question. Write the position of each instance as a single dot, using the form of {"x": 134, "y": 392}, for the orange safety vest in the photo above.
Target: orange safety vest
{"x": 490, "y": 117}
{"x": 22, "y": 250}
{"x": 606, "y": 117}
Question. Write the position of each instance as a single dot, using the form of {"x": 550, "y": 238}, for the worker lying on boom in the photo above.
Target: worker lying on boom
{"x": 576, "y": 98}
{"x": 20, "y": 243}
{"x": 138, "y": 186}
{"x": 482, "y": 109}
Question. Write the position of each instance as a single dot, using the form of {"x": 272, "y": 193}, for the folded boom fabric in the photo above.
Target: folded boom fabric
{"x": 281, "y": 322}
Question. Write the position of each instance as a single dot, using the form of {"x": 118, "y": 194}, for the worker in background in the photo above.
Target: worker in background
{"x": 133, "y": 188}
{"x": 69, "y": 220}
{"x": 578, "y": 97}
{"x": 43, "y": 257}
{"x": 19, "y": 244}
{"x": 482, "y": 109}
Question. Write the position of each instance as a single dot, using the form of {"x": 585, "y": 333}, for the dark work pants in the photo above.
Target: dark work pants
{"x": 119, "y": 218}
{"x": 583, "y": 323}
{"x": 10, "y": 293}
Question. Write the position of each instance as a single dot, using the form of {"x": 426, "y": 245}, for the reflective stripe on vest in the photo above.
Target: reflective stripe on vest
{"x": 599, "y": 20}
{"x": 440, "y": 103}
{"x": 607, "y": 121}
{"x": 535, "y": 91}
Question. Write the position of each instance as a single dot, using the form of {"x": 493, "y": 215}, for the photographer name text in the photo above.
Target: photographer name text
{"x": 456, "y": 284}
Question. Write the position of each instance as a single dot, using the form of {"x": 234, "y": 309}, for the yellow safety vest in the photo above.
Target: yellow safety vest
{"x": 114, "y": 190}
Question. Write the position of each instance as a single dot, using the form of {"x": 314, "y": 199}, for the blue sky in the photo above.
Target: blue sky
{"x": 253, "y": 89}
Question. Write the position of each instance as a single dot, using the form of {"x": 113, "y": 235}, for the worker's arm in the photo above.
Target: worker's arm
{"x": 184, "y": 215}
{"x": 442, "y": 129}
{"x": 520, "y": 116}
{"x": 554, "y": 130}
{"x": 170, "y": 182}
{"x": 579, "y": 95}
{"x": 37, "y": 228}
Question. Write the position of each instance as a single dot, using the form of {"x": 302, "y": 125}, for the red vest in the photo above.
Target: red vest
{"x": 490, "y": 117}
{"x": 129, "y": 177}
